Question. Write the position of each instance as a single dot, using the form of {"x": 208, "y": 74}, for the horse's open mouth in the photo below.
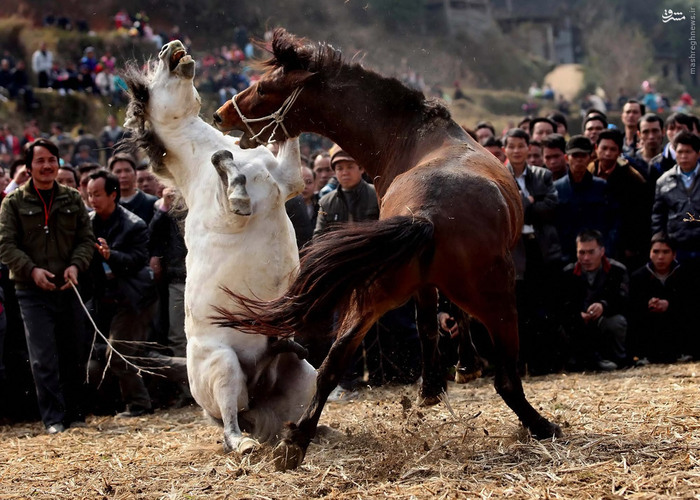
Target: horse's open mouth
{"x": 176, "y": 57}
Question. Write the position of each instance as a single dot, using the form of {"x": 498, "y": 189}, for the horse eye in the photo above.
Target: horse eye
{"x": 260, "y": 90}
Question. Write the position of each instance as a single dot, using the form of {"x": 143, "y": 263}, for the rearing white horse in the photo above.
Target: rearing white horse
{"x": 238, "y": 236}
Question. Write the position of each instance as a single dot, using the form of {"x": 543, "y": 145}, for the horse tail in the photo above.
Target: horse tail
{"x": 336, "y": 268}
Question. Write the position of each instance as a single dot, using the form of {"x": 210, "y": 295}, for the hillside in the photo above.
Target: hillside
{"x": 361, "y": 36}
{"x": 385, "y": 34}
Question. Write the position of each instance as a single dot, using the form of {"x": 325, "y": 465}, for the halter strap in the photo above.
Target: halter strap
{"x": 277, "y": 118}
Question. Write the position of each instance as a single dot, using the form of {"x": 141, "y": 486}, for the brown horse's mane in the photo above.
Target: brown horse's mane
{"x": 296, "y": 53}
{"x": 142, "y": 136}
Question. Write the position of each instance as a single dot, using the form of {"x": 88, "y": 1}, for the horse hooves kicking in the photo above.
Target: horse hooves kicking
{"x": 287, "y": 455}
{"x": 242, "y": 445}
{"x": 462, "y": 377}
{"x": 545, "y": 429}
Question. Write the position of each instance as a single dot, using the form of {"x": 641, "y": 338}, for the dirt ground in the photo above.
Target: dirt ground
{"x": 629, "y": 434}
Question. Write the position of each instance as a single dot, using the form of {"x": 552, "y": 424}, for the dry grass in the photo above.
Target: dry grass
{"x": 629, "y": 434}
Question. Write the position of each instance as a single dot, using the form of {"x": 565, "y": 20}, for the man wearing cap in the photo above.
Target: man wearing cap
{"x": 582, "y": 199}
{"x": 354, "y": 200}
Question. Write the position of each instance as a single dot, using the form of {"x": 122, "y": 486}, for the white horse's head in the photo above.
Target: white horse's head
{"x": 172, "y": 92}
{"x": 161, "y": 96}
{"x": 165, "y": 92}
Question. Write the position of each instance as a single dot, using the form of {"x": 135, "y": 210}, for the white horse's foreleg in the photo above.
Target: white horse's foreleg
{"x": 219, "y": 386}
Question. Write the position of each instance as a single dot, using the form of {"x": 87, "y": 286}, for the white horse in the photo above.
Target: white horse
{"x": 238, "y": 236}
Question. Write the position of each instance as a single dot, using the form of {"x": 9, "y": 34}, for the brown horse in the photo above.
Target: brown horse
{"x": 450, "y": 215}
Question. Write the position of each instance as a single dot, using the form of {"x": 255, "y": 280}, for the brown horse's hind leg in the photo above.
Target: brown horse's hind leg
{"x": 497, "y": 311}
{"x": 290, "y": 452}
{"x": 434, "y": 383}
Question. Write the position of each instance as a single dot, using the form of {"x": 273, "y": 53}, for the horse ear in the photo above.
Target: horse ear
{"x": 291, "y": 52}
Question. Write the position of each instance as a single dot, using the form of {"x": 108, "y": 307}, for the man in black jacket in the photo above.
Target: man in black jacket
{"x": 537, "y": 255}
{"x": 661, "y": 307}
{"x": 124, "y": 289}
{"x": 123, "y": 166}
{"x": 354, "y": 200}
{"x": 594, "y": 291}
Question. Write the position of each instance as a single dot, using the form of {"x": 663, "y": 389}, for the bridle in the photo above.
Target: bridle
{"x": 277, "y": 118}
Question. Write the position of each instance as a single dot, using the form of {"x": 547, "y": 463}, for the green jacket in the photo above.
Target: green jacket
{"x": 25, "y": 244}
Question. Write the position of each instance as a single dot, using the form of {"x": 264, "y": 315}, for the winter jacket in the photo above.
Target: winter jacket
{"x": 26, "y": 244}
{"x": 672, "y": 203}
{"x": 335, "y": 206}
{"x": 127, "y": 279}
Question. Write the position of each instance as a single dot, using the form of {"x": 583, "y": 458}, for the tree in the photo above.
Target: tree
{"x": 618, "y": 57}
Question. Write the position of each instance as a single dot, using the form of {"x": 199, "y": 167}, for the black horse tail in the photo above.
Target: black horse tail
{"x": 335, "y": 268}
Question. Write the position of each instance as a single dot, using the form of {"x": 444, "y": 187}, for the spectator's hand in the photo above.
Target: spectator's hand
{"x": 157, "y": 268}
{"x": 593, "y": 312}
{"x": 658, "y": 305}
{"x": 103, "y": 248}
{"x": 444, "y": 321}
{"x": 71, "y": 276}
{"x": 168, "y": 198}
{"x": 43, "y": 278}
{"x": 21, "y": 175}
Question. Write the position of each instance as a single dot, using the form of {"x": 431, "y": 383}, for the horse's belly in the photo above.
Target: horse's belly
{"x": 238, "y": 263}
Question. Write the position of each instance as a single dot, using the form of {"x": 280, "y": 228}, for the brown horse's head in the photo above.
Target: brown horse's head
{"x": 293, "y": 63}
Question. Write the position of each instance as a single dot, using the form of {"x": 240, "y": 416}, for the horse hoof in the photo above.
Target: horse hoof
{"x": 546, "y": 430}
{"x": 241, "y": 445}
{"x": 427, "y": 401}
{"x": 247, "y": 445}
{"x": 464, "y": 377}
{"x": 287, "y": 455}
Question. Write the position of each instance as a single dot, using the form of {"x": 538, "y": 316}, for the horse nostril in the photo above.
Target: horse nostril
{"x": 217, "y": 118}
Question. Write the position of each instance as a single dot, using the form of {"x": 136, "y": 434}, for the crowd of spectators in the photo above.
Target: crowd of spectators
{"x": 610, "y": 243}
{"x": 224, "y": 70}
{"x": 609, "y": 249}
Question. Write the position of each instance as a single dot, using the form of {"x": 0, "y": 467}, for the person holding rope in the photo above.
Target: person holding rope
{"x": 46, "y": 239}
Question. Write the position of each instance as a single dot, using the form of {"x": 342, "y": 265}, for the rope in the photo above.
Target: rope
{"x": 277, "y": 118}
{"x": 139, "y": 369}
